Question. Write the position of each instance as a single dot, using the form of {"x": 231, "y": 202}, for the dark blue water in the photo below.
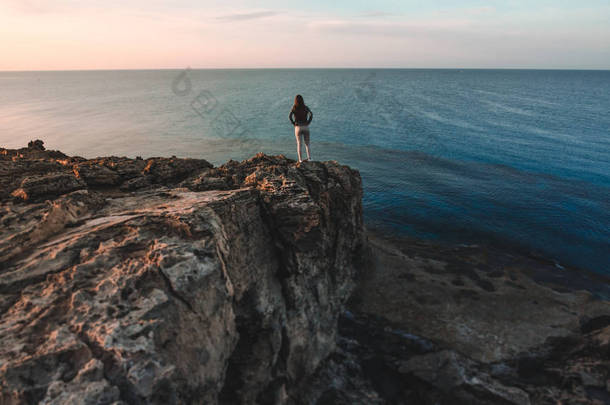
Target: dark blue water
{"x": 507, "y": 157}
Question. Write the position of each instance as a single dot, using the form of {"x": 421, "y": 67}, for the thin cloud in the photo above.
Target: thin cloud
{"x": 376, "y": 13}
{"x": 246, "y": 16}
{"x": 481, "y": 10}
{"x": 400, "y": 29}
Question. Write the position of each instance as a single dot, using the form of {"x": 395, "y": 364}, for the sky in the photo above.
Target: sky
{"x": 154, "y": 34}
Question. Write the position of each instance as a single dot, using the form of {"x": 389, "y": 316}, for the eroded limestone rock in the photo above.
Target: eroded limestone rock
{"x": 159, "y": 292}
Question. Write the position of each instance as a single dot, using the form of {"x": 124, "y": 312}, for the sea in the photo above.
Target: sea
{"x": 517, "y": 159}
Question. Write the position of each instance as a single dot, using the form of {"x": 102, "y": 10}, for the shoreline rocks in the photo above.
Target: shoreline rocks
{"x": 168, "y": 280}
{"x": 434, "y": 324}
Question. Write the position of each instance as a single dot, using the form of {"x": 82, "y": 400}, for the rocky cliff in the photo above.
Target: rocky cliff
{"x": 169, "y": 280}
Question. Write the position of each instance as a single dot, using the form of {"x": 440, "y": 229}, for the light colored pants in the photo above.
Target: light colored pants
{"x": 302, "y": 131}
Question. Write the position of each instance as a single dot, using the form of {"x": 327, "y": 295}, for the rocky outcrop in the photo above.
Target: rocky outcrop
{"x": 169, "y": 280}
{"x": 446, "y": 325}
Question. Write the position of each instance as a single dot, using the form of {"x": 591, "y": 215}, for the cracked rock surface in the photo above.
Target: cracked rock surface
{"x": 169, "y": 280}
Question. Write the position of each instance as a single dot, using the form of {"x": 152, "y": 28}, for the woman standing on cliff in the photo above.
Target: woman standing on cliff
{"x": 301, "y": 117}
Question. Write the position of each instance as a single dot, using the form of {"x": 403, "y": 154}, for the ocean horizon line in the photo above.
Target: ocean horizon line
{"x": 313, "y": 68}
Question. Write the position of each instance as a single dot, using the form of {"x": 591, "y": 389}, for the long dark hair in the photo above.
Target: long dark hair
{"x": 299, "y": 104}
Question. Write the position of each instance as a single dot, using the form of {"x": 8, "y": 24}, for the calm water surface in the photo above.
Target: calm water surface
{"x": 514, "y": 158}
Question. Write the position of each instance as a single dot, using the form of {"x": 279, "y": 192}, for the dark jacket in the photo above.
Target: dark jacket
{"x": 300, "y": 116}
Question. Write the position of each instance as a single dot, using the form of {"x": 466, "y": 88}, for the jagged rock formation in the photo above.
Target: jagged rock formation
{"x": 168, "y": 280}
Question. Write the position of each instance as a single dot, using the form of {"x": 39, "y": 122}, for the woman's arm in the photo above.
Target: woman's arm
{"x": 290, "y": 117}
{"x": 310, "y": 116}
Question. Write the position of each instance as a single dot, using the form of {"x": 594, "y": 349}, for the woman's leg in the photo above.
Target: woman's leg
{"x": 297, "y": 134}
{"x": 306, "y": 139}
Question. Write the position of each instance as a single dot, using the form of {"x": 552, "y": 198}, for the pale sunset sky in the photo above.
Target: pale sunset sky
{"x": 151, "y": 34}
